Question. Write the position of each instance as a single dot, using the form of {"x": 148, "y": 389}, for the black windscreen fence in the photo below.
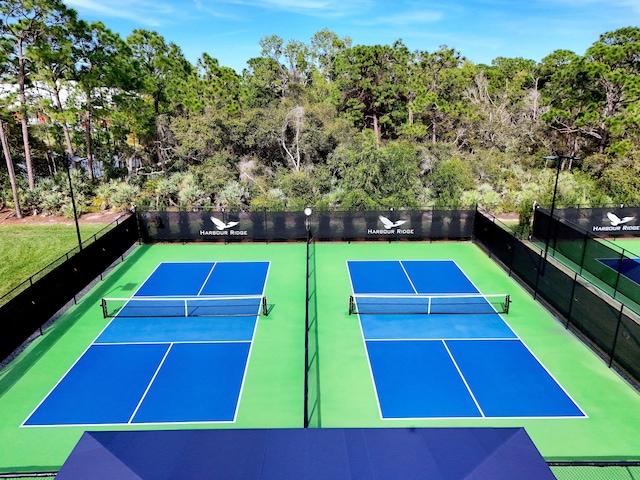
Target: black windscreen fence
{"x": 595, "y": 318}
{"x": 579, "y": 296}
{"x": 555, "y": 287}
{"x": 613, "y": 268}
{"x": 615, "y": 220}
{"x": 34, "y": 305}
{"x": 628, "y": 344}
{"x": 607, "y": 323}
{"x": 207, "y": 225}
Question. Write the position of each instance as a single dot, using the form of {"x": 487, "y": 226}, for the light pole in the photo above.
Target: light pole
{"x": 73, "y": 201}
{"x": 557, "y": 159}
{"x": 307, "y": 225}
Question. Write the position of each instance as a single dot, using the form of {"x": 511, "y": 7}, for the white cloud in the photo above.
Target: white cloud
{"x": 141, "y": 11}
{"x": 320, "y": 8}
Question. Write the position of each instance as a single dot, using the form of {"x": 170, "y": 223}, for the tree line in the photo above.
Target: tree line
{"x": 325, "y": 123}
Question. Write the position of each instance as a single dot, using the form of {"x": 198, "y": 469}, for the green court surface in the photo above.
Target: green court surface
{"x": 632, "y": 245}
{"x": 343, "y": 395}
{"x": 631, "y": 248}
{"x": 346, "y": 391}
{"x": 273, "y": 391}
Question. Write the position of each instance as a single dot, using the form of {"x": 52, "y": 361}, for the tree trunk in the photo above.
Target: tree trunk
{"x": 434, "y": 114}
{"x": 12, "y": 173}
{"x": 87, "y": 139}
{"x": 65, "y": 127}
{"x": 23, "y": 120}
{"x": 158, "y": 142}
{"x": 159, "y": 152}
{"x": 376, "y": 129}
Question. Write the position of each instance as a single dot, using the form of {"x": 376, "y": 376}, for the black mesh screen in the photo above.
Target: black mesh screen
{"x": 282, "y": 226}
{"x": 627, "y": 347}
{"x": 598, "y": 317}
{"x": 594, "y": 317}
{"x": 21, "y": 316}
{"x": 555, "y": 287}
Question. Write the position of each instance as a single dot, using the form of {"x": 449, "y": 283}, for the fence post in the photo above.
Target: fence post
{"x": 573, "y": 292}
{"x": 615, "y": 286}
{"x": 615, "y": 337}
{"x": 584, "y": 251}
{"x": 306, "y": 339}
{"x": 541, "y": 259}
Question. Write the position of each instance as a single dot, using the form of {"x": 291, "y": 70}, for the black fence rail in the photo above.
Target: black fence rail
{"x": 603, "y": 262}
{"x": 33, "y": 303}
{"x": 606, "y": 323}
{"x": 208, "y": 225}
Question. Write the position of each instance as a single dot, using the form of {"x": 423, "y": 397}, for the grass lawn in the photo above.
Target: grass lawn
{"x": 26, "y": 249}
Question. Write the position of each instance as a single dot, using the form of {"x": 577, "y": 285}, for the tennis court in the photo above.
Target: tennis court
{"x": 438, "y": 364}
{"x": 176, "y": 352}
{"x": 628, "y": 267}
{"x": 595, "y": 414}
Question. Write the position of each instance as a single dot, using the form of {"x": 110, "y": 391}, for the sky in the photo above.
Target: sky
{"x": 481, "y": 30}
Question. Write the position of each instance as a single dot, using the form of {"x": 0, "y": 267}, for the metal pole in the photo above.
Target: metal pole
{"x": 73, "y": 203}
{"x": 553, "y": 202}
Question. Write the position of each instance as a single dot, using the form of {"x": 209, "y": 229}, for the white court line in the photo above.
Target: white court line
{"x": 150, "y": 383}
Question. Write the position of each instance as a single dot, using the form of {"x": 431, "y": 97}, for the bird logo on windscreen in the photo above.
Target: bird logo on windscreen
{"x": 220, "y": 225}
{"x": 615, "y": 220}
{"x": 389, "y": 224}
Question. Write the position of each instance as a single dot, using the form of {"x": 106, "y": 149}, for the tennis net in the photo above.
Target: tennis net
{"x": 185, "y": 307}
{"x": 429, "y": 304}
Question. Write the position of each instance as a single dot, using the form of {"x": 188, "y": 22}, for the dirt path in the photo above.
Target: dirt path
{"x": 8, "y": 217}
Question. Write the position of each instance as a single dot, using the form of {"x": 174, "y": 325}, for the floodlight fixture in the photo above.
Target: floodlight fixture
{"x": 307, "y": 224}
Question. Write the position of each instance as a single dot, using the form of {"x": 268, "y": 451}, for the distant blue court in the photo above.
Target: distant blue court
{"x": 628, "y": 267}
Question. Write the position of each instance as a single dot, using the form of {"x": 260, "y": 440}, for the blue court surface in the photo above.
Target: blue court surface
{"x": 462, "y": 365}
{"x": 166, "y": 369}
{"x": 628, "y": 267}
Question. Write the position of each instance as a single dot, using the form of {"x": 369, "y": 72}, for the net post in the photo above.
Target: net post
{"x": 352, "y": 306}
{"x": 506, "y": 304}
{"x": 103, "y": 303}
{"x": 265, "y": 306}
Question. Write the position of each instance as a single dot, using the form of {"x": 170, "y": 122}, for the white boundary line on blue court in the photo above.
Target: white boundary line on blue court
{"x": 170, "y": 344}
{"x": 207, "y": 278}
{"x": 151, "y": 380}
{"x": 464, "y": 380}
{"x": 517, "y": 338}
